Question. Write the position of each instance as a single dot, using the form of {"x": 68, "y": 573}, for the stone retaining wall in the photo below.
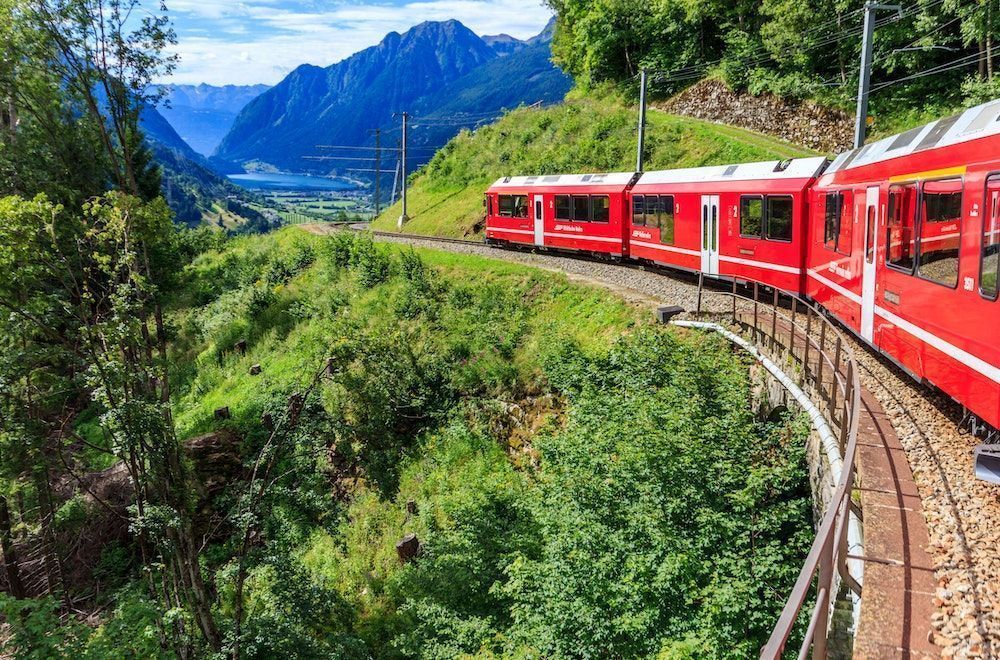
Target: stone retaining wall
{"x": 804, "y": 123}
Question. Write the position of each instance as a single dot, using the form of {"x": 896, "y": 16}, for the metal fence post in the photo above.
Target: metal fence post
{"x": 701, "y": 284}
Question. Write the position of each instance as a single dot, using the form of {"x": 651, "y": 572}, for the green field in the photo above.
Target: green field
{"x": 584, "y": 134}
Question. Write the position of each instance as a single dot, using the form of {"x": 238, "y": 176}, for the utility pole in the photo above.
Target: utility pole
{"x": 861, "y": 116}
{"x": 403, "y": 219}
{"x": 378, "y": 166}
{"x": 642, "y": 120}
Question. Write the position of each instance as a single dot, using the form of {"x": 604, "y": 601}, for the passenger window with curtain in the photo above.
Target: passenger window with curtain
{"x": 666, "y": 215}
{"x": 779, "y": 218}
{"x": 601, "y": 208}
{"x": 651, "y": 217}
{"x": 940, "y": 228}
{"x": 989, "y": 260}
{"x": 581, "y": 208}
{"x": 751, "y": 216}
{"x": 900, "y": 247}
{"x": 638, "y": 211}
{"x": 562, "y": 208}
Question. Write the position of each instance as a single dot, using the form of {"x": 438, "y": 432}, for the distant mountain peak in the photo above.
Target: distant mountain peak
{"x": 428, "y": 66}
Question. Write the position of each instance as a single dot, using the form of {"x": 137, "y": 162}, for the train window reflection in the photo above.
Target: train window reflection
{"x": 779, "y": 218}
{"x": 638, "y": 211}
{"x": 751, "y": 216}
{"x": 941, "y": 212}
{"x": 900, "y": 248}
{"x": 562, "y": 208}
{"x": 990, "y": 251}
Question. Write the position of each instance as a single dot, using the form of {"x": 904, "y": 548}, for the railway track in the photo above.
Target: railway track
{"x": 962, "y": 514}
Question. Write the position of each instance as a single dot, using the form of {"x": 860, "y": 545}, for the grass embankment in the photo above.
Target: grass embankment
{"x": 583, "y": 481}
{"x": 584, "y": 134}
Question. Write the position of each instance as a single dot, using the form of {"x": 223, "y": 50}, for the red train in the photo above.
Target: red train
{"x": 899, "y": 239}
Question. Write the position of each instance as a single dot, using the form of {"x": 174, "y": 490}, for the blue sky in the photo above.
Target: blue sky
{"x": 259, "y": 41}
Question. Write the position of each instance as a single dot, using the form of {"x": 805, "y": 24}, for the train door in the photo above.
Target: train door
{"x": 539, "y": 220}
{"x": 868, "y": 265}
{"x": 710, "y": 234}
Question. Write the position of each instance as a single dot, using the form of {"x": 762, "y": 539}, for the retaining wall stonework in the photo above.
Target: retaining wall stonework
{"x": 804, "y": 123}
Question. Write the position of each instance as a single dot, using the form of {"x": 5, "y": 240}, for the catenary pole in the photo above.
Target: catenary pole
{"x": 864, "y": 79}
{"x": 642, "y": 120}
{"x": 403, "y": 218}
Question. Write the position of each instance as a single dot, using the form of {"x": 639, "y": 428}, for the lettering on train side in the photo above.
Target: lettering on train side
{"x": 569, "y": 228}
{"x": 842, "y": 272}
{"x": 641, "y": 234}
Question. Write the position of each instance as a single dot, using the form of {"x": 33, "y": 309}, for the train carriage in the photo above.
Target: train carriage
{"x": 579, "y": 212}
{"x": 743, "y": 221}
{"x": 904, "y": 250}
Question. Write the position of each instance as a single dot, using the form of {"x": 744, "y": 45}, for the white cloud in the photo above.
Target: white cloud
{"x": 258, "y": 41}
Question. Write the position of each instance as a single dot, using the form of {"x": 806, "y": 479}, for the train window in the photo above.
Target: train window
{"x": 846, "y": 223}
{"x": 638, "y": 211}
{"x": 666, "y": 213}
{"x": 651, "y": 217}
{"x": 900, "y": 248}
{"x": 581, "y": 208}
{"x": 520, "y": 206}
{"x": 838, "y": 222}
{"x": 831, "y": 219}
{"x": 989, "y": 258}
{"x": 488, "y": 204}
{"x": 779, "y": 218}
{"x": 562, "y": 208}
{"x": 751, "y": 216}
{"x": 940, "y": 222}
{"x": 506, "y": 206}
{"x": 870, "y": 235}
{"x": 601, "y": 207}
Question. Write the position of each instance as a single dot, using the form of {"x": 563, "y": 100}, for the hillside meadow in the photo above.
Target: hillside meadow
{"x": 581, "y": 481}
{"x": 591, "y": 131}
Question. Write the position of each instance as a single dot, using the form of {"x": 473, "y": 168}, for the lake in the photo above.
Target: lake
{"x": 283, "y": 181}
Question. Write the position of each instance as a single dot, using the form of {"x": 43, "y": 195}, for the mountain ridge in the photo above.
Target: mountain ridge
{"x": 421, "y": 69}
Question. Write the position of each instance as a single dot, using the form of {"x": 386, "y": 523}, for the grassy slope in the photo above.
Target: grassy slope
{"x": 291, "y": 338}
{"x": 584, "y": 134}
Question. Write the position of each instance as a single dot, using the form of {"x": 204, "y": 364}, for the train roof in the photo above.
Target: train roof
{"x": 558, "y": 180}
{"x": 980, "y": 121}
{"x": 797, "y": 168}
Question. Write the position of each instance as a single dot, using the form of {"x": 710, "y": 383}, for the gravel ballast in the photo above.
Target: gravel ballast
{"x": 962, "y": 513}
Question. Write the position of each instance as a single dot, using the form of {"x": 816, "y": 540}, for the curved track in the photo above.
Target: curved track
{"x": 962, "y": 514}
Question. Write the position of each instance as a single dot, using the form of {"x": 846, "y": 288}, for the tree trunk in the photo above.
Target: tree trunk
{"x": 9, "y": 552}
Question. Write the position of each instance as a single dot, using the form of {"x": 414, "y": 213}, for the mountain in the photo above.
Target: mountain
{"x": 190, "y": 185}
{"x": 203, "y": 114}
{"x": 503, "y": 44}
{"x": 442, "y": 73}
{"x": 523, "y": 76}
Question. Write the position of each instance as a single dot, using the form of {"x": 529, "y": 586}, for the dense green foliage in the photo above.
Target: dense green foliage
{"x": 789, "y": 47}
{"x": 582, "y": 482}
{"x": 592, "y": 132}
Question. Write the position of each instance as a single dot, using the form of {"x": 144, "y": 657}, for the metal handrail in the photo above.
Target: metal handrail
{"x": 768, "y": 321}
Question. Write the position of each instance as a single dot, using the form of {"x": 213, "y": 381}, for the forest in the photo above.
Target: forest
{"x": 930, "y": 57}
